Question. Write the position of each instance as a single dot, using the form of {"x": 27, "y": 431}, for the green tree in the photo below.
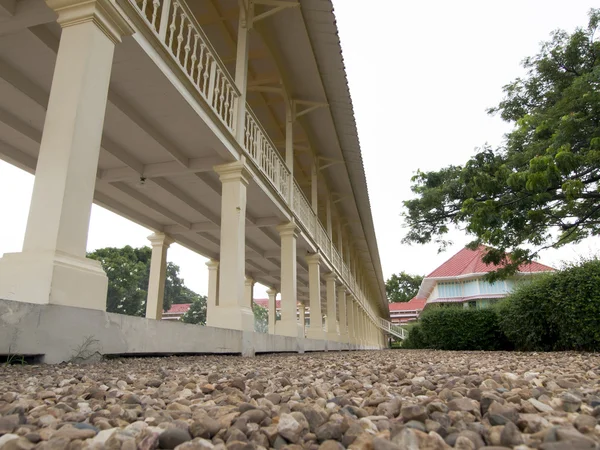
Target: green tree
{"x": 197, "y": 312}
{"x": 128, "y": 271}
{"x": 261, "y": 318}
{"x": 402, "y": 287}
{"x": 540, "y": 188}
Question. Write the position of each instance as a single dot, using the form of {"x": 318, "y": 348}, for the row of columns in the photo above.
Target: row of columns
{"x": 345, "y": 321}
{"x": 53, "y": 268}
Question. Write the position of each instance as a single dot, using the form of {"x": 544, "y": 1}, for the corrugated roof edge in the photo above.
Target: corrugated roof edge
{"x": 337, "y": 69}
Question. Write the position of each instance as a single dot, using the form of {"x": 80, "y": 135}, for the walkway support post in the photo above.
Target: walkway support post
{"x": 272, "y": 293}
{"x": 315, "y": 330}
{"x": 213, "y": 291}
{"x": 232, "y": 310}
{"x": 53, "y": 268}
{"x": 351, "y": 323}
{"x": 341, "y": 294}
{"x": 332, "y": 331}
{"x": 158, "y": 275}
{"x": 288, "y": 325}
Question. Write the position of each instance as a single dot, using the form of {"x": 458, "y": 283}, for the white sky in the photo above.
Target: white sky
{"x": 421, "y": 74}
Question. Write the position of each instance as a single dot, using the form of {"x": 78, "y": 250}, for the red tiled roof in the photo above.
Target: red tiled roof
{"x": 469, "y": 261}
{"x": 180, "y": 308}
{"x": 264, "y": 302}
{"x": 414, "y": 305}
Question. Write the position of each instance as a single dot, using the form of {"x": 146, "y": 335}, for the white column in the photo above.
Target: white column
{"x": 288, "y": 325}
{"x": 302, "y": 317}
{"x": 158, "y": 274}
{"x": 249, "y": 291}
{"x": 314, "y": 187}
{"x": 52, "y": 268}
{"x": 351, "y": 324}
{"x": 332, "y": 332}
{"x": 213, "y": 291}
{"x": 315, "y": 330}
{"x": 233, "y": 310}
{"x": 341, "y": 293}
{"x": 272, "y": 293}
{"x": 241, "y": 67}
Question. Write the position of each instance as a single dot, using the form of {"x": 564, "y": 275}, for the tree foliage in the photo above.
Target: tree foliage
{"x": 197, "y": 312}
{"x": 540, "y": 188}
{"x": 261, "y": 318}
{"x": 128, "y": 271}
{"x": 402, "y": 287}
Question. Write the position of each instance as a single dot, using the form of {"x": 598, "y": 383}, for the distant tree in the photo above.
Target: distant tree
{"x": 128, "y": 271}
{"x": 402, "y": 287}
{"x": 261, "y": 318}
{"x": 540, "y": 189}
{"x": 197, "y": 312}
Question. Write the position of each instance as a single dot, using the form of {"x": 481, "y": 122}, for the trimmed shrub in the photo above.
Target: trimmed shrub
{"x": 560, "y": 311}
{"x": 462, "y": 329}
{"x": 415, "y": 337}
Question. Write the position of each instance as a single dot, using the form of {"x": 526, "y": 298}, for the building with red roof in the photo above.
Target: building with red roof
{"x": 461, "y": 280}
{"x": 405, "y": 312}
{"x": 176, "y": 312}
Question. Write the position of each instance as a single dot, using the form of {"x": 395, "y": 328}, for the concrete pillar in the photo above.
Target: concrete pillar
{"x": 288, "y": 325}
{"x": 341, "y": 294}
{"x": 158, "y": 274}
{"x": 249, "y": 291}
{"x": 315, "y": 330}
{"x": 232, "y": 310}
{"x": 53, "y": 268}
{"x": 332, "y": 331}
{"x": 241, "y": 68}
{"x": 302, "y": 317}
{"x": 272, "y": 293}
{"x": 351, "y": 324}
{"x": 212, "y": 299}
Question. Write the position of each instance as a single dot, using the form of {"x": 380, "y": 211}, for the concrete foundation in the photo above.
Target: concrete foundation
{"x": 64, "y": 333}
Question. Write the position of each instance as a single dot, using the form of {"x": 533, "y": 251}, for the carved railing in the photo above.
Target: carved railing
{"x": 177, "y": 29}
{"x": 303, "y": 210}
{"x": 262, "y": 151}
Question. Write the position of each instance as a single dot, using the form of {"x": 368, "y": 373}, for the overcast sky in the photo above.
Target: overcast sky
{"x": 421, "y": 74}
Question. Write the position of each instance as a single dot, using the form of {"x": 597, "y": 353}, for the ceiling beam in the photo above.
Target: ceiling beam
{"x": 44, "y": 35}
{"x": 169, "y": 187}
{"x": 146, "y": 201}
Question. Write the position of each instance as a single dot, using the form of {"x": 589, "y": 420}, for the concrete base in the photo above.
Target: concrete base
{"x": 63, "y": 333}
{"x": 232, "y": 318}
{"x": 53, "y": 278}
{"x": 317, "y": 334}
{"x": 287, "y": 328}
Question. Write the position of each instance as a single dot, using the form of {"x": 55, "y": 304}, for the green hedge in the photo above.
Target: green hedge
{"x": 556, "y": 312}
{"x": 559, "y": 311}
{"x": 456, "y": 328}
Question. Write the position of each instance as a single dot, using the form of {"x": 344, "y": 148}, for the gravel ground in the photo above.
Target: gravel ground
{"x": 361, "y": 400}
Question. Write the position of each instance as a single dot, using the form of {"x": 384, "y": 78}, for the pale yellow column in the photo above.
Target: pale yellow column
{"x": 52, "y": 268}
{"x": 332, "y": 331}
{"x": 249, "y": 291}
{"x": 288, "y": 325}
{"x": 233, "y": 310}
{"x": 158, "y": 274}
{"x": 351, "y": 323}
{"x": 272, "y": 293}
{"x": 241, "y": 68}
{"x": 315, "y": 330}
{"x": 302, "y": 317}
{"x": 212, "y": 298}
{"x": 341, "y": 294}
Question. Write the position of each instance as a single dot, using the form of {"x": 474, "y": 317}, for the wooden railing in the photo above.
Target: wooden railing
{"x": 262, "y": 151}
{"x": 177, "y": 29}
